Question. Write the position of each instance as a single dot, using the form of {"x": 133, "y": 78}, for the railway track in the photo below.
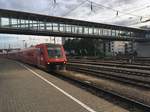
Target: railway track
{"x": 137, "y": 61}
{"x": 124, "y": 78}
{"x": 130, "y": 69}
{"x": 121, "y": 64}
{"x": 133, "y": 75}
{"x": 139, "y": 78}
{"x": 106, "y": 92}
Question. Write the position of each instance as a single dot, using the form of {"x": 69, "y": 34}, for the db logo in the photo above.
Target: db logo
{"x": 42, "y": 58}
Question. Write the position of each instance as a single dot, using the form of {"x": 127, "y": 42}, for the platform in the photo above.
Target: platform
{"x": 27, "y": 89}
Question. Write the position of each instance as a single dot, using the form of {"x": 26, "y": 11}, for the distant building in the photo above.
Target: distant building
{"x": 142, "y": 49}
{"x": 118, "y": 47}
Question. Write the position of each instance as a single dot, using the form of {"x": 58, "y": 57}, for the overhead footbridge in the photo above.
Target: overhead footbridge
{"x": 16, "y": 22}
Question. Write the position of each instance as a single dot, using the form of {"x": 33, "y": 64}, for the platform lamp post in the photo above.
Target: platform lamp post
{"x": 54, "y": 40}
{"x": 23, "y": 43}
{"x": 9, "y": 47}
{"x": 18, "y": 42}
{"x": 26, "y": 45}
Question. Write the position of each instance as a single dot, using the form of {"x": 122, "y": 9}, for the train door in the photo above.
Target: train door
{"x": 40, "y": 58}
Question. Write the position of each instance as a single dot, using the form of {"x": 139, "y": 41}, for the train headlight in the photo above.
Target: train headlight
{"x": 48, "y": 63}
{"x": 64, "y": 62}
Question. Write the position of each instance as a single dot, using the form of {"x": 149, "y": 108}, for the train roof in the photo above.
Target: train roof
{"x": 49, "y": 44}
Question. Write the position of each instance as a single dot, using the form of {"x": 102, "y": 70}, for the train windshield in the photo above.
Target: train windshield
{"x": 54, "y": 52}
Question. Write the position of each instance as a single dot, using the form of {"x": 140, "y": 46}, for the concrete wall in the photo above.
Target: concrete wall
{"x": 143, "y": 49}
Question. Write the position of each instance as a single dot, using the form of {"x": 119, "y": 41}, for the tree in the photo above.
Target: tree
{"x": 82, "y": 47}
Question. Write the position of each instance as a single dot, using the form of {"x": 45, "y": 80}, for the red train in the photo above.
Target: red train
{"x": 46, "y": 56}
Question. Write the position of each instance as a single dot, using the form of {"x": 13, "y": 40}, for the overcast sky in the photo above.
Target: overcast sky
{"x": 129, "y": 11}
{"x": 120, "y": 12}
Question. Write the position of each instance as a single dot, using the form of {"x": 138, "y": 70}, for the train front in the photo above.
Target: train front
{"x": 56, "y": 57}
